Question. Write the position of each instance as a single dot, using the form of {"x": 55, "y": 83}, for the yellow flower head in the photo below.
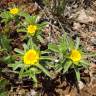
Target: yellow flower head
{"x": 31, "y": 29}
{"x": 14, "y": 11}
{"x": 75, "y": 55}
{"x": 31, "y": 57}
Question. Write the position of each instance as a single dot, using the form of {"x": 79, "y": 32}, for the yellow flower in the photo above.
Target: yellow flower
{"x": 75, "y": 55}
{"x": 31, "y": 57}
{"x": 32, "y": 29}
{"x": 14, "y": 11}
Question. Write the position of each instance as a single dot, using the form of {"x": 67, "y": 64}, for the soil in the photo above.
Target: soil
{"x": 79, "y": 19}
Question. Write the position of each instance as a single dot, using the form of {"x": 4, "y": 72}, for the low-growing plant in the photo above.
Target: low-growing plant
{"x": 31, "y": 26}
{"x": 9, "y": 20}
{"x": 4, "y": 43}
{"x": 70, "y": 56}
{"x": 11, "y": 14}
{"x": 5, "y": 49}
{"x": 57, "y": 7}
{"x": 24, "y": 22}
{"x": 3, "y": 83}
{"x": 31, "y": 62}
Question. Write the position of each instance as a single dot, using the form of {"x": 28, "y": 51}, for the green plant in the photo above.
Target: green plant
{"x": 31, "y": 26}
{"x": 7, "y": 16}
{"x": 56, "y": 6}
{"x": 24, "y": 22}
{"x": 4, "y": 43}
{"x": 9, "y": 19}
{"x": 3, "y": 83}
{"x": 31, "y": 62}
{"x": 70, "y": 56}
{"x": 5, "y": 48}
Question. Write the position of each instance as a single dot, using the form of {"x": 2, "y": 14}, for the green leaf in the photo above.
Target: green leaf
{"x": 51, "y": 65}
{"x": 77, "y": 43}
{"x": 84, "y": 63}
{"x": 31, "y": 19}
{"x": 6, "y": 16}
{"x": 21, "y": 30}
{"x": 4, "y": 20}
{"x": 44, "y": 52}
{"x": 67, "y": 66}
{"x": 53, "y": 47}
{"x": 5, "y": 43}
{"x": 63, "y": 45}
{"x": 24, "y": 14}
{"x": 33, "y": 76}
{"x": 8, "y": 59}
{"x": 31, "y": 44}
{"x": 19, "y": 51}
{"x": 71, "y": 43}
{"x": 58, "y": 67}
{"x": 4, "y": 93}
{"x": 3, "y": 82}
{"x": 44, "y": 70}
{"x": 25, "y": 47}
{"x": 77, "y": 74}
{"x": 40, "y": 39}
{"x": 16, "y": 65}
{"x": 43, "y": 24}
{"x": 33, "y": 69}
{"x": 46, "y": 58}
{"x": 21, "y": 73}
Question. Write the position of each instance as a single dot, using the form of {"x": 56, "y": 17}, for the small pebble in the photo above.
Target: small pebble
{"x": 81, "y": 85}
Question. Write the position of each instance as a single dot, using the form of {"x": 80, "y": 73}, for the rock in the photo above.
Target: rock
{"x": 76, "y": 26}
{"x": 83, "y": 16}
{"x": 93, "y": 40}
{"x": 32, "y": 93}
{"x": 67, "y": 95}
{"x": 81, "y": 85}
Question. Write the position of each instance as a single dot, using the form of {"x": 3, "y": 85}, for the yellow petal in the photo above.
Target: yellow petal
{"x": 75, "y": 55}
{"x": 14, "y": 11}
{"x": 31, "y": 57}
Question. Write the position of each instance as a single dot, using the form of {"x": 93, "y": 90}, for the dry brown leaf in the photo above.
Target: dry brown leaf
{"x": 83, "y": 16}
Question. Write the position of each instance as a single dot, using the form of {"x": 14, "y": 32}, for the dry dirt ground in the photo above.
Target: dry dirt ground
{"x": 78, "y": 19}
